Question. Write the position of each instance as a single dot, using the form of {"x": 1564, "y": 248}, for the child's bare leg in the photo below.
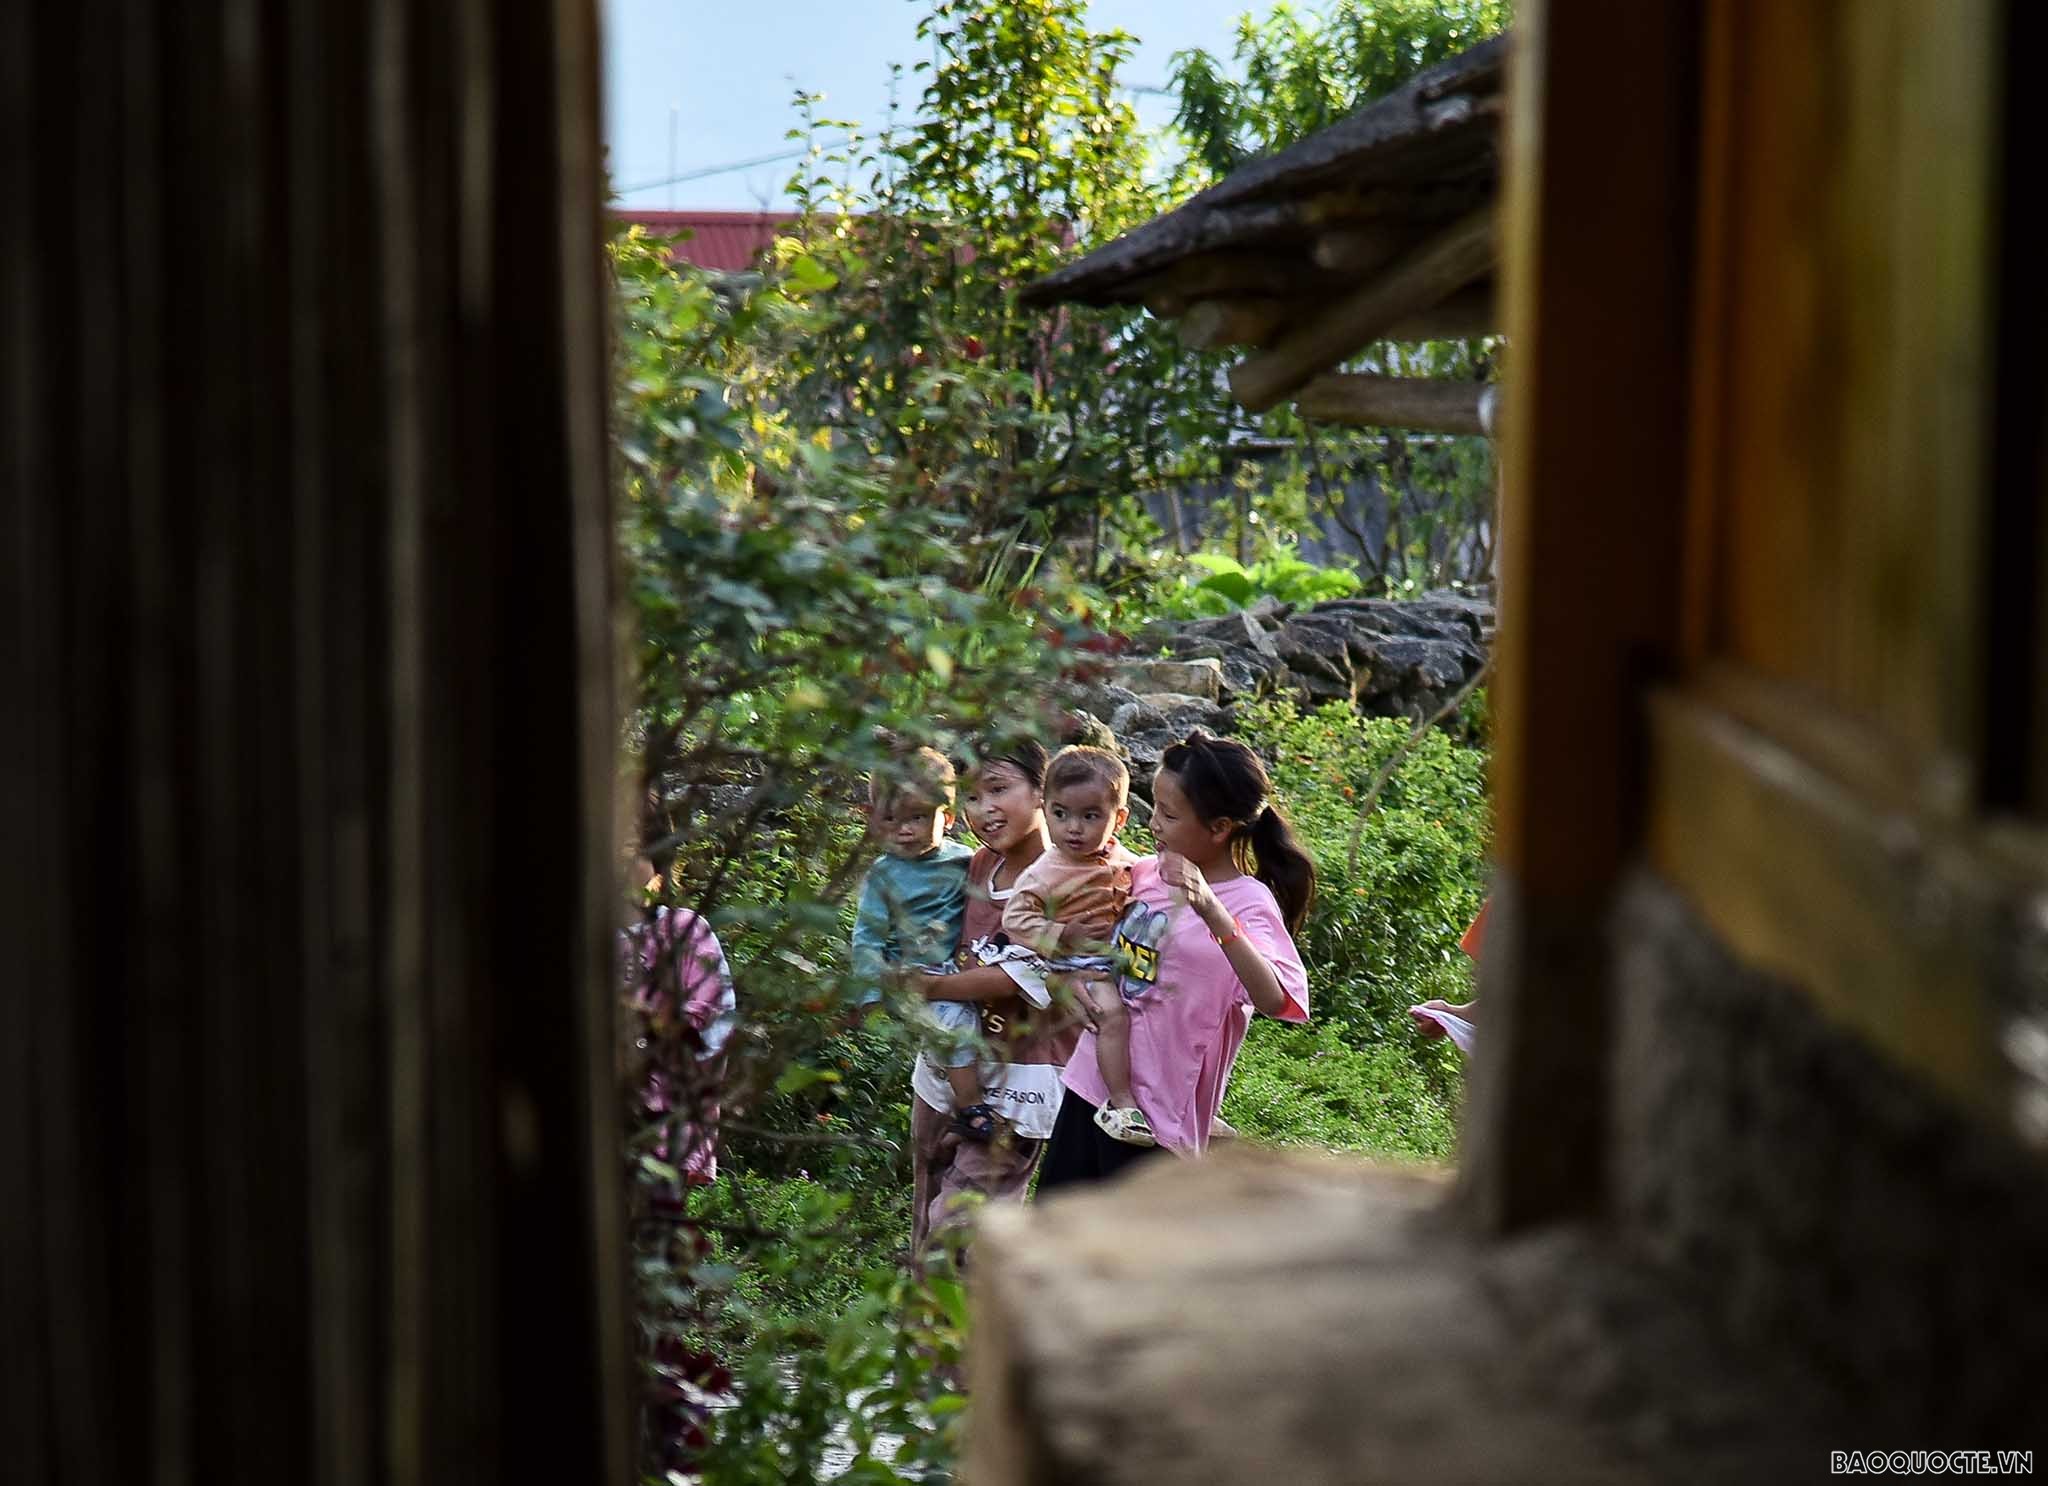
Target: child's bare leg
{"x": 1112, "y": 1041}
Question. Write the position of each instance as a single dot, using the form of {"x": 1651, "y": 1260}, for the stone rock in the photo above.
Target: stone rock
{"x": 1145, "y": 750}
{"x": 1238, "y": 629}
{"x": 1392, "y": 658}
{"x": 1136, "y": 716}
{"x": 1105, "y": 698}
{"x": 1269, "y": 612}
{"x": 1408, "y": 666}
{"x": 1201, "y": 677}
{"x": 1183, "y": 712}
{"x": 1319, "y": 655}
{"x": 1247, "y": 670}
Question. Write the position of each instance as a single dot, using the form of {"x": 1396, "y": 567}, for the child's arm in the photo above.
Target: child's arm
{"x": 1255, "y": 972}
{"x": 1027, "y": 923}
{"x": 874, "y": 940}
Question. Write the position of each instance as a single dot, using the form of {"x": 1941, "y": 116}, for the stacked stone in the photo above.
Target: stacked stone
{"x": 1386, "y": 657}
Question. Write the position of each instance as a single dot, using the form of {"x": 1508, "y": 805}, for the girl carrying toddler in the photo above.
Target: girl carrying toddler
{"x": 1206, "y": 941}
{"x": 1067, "y": 905}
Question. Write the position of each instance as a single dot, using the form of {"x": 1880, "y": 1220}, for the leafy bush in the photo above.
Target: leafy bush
{"x": 841, "y": 1346}
{"x": 1297, "y": 1085}
{"x": 1228, "y": 584}
{"x": 866, "y": 499}
{"x": 1384, "y": 932}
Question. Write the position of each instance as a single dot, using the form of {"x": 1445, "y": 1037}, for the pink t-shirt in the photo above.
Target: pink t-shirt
{"x": 676, "y": 973}
{"x": 1189, "y": 1011}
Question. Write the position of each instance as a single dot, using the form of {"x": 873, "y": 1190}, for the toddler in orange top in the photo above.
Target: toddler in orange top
{"x": 1067, "y": 903}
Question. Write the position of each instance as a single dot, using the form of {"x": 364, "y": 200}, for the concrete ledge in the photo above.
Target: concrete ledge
{"x": 1288, "y": 1318}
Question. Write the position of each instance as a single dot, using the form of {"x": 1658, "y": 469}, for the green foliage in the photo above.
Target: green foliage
{"x": 1021, "y": 149}
{"x": 1300, "y": 73}
{"x": 1227, "y": 584}
{"x": 866, "y": 499}
{"x": 800, "y": 612}
{"x": 1290, "y": 74}
{"x": 1297, "y": 1085}
{"x": 839, "y": 1343}
{"x": 1384, "y": 932}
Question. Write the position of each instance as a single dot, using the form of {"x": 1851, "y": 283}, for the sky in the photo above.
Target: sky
{"x": 725, "y": 72}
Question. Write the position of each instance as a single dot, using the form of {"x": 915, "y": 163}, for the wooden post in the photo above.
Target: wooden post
{"x": 308, "y": 1140}
{"x": 1471, "y": 312}
{"x": 1236, "y": 273}
{"x": 1595, "y": 278}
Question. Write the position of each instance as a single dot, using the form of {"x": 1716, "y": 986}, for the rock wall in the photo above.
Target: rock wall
{"x": 1390, "y": 658}
{"x": 1831, "y": 1207}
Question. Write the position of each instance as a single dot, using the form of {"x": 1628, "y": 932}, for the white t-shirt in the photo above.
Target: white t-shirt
{"x": 1025, "y": 1094}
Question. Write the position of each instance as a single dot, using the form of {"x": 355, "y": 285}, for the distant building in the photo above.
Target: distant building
{"x": 732, "y": 242}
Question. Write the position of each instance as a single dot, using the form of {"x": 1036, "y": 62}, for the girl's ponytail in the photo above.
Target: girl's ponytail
{"x": 1280, "y": 863}
{"x": 1224, "y": 780}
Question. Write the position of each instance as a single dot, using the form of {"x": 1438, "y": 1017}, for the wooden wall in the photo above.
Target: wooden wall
{"x": 306, "y": 1144}
{"x": 1846, "y": 779}
{"x": 1774, "y": 543}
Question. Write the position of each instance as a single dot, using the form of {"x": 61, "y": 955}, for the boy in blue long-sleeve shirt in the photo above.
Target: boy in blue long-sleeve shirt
{"x": 913, "y": 903}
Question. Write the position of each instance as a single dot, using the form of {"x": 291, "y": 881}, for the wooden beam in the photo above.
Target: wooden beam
{"x": 1238, "y": 273}
{"x": 1397, "y": 402}
{"x": 1428, "y": 274}
{"x": 1358, "y": 249}
{"x": 1255, "y": 320}
{"x": 1234, "y": 322}
{"x": 1471, "y": 312}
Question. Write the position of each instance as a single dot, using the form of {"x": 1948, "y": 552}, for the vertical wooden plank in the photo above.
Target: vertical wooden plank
{"x": 403, "y": 909}
{"x": 1843, "y": 317}
{"x": 35, "y": 872}
{"x": 2014, "y": 671}
{"x": 338, "y": 442}
{"x": 1717, "y": 132}
{"x": 558, "y": 558}
{"x": 1596, "y": 277}
{"x": 295, "y": 558}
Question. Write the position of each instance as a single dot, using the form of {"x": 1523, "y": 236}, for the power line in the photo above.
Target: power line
{"x": 708, "y": 171}
{"x": 711, "y": 170}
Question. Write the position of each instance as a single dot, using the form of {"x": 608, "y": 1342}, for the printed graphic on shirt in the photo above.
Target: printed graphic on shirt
{"x": 1139, "y": 933}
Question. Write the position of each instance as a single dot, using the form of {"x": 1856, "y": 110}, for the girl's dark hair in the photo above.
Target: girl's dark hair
{"x": 1020, "y": 751}
{"x": 1224, "y": 780}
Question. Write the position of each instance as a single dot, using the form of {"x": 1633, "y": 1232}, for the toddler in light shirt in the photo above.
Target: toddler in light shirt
{"x": 1067, "y": 904}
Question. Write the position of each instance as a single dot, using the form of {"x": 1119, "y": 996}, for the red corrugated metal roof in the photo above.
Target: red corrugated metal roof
{"x": 726, "y": 240}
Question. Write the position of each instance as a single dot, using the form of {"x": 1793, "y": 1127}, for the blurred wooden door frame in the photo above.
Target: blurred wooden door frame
{"x": 1596, "y": 275}
{"x": 1772, "y": 595}
{"x": 308, "y": 1127}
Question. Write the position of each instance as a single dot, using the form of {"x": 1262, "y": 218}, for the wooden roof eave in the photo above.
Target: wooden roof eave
{"x": 1381, "y": 227}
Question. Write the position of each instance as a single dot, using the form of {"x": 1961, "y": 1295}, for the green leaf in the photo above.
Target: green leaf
{"x": 952, "y": 1298}
{"x": 808, "y": 276}
{"x": 799, "y": 1076}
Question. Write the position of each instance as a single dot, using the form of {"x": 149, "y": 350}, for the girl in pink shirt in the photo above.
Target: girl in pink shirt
{"x": 1207, "y": 940}
{"x": 678, "y": 984}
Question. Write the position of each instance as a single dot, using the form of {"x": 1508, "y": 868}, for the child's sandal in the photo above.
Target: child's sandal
{"x": 1127, "y": 1125}
{"x": 977, "y": 1122}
